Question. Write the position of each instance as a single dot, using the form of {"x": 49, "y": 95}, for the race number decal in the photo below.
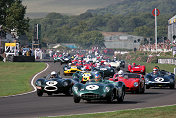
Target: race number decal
{"x": 159, "y": 79}
{"x": 92, "y": 87}
{"x": 51, "y": 83}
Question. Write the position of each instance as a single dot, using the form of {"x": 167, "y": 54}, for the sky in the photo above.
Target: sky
{"x": 39, "y": 8}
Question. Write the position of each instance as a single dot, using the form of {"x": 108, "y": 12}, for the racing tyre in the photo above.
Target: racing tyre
{"x": 144, "y": 73}
{"x": 139, "y": 90}
{"x": 76, "y": 99}
{"x": 88, "y": 100}
{"x": 143, "y": 90}
{"x": 68, "y": 92}
{"x": 147, "y": 86}
{"x": 121, "y": 98}
{"x": 39, "y": 92}
{"x": 117, "y": 69}
{"x": 49, "y": 94}
{"x": 110, "y": 98}
{"x": 172, "y": 86}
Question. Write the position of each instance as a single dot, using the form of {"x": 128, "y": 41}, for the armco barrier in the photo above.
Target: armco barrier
{"x": 167, "y": 61}
{"x": 22, "y": 58}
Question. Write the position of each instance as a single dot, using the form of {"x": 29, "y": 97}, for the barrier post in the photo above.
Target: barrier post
{"x": 175, "y": 71}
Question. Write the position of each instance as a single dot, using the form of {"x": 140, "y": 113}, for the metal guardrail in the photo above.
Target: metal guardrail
{"x": 167, "y": 61}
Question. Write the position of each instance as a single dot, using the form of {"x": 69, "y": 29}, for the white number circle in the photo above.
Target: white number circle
{"x": 51, "y": 83}
{"x": 92, "y": 87}
{"x": 159, "y": 79}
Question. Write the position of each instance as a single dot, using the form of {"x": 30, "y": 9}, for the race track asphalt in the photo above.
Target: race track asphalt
{"x": 32, "y": 106}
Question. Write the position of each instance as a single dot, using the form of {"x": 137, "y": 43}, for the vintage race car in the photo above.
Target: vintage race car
{"x": 115, "y": 64}
{"x": 70, "y": 69}
{"x": 54, "y": 85}
{"x": 99, "y": 90}
{"x": 62, "y": 59}
{"x": 122, "y": 63}
{"x": 161, "y": 79}
{"x": 134, "y": 82}
{"x": 107, "y": 70}
{"x": 137, "y": 69}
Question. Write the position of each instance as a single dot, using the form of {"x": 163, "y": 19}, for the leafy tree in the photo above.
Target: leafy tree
{"x": 12, "y": 14}
{"x": 89, "y": 39}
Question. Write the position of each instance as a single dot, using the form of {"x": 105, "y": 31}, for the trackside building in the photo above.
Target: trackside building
{"x": 120, "y": 40}
{"x": 172, "y": 29}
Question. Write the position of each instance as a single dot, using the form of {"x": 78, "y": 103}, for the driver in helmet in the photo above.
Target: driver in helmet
{"x": 97, "y": 78}
{"x": 155, "y": 70}
{"x": 120, "y": 73}
{"x": 134, "y": 64}
{"x": 53, "y": 74}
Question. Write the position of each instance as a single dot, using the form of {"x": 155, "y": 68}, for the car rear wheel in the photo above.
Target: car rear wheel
{"x": 49, "y": 94}
{"x": 76, "y": 99}
{"x": 110, "y": 98}
{"x": 39, "y": 92}
{"x": 121, "y": 98}
{"x": 172, "y": 86}
{"x": 68, "y": 92}
{"x": 147, "y": 86}
{"x": 143, "y": 89}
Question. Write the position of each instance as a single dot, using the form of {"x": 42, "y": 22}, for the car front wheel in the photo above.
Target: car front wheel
{"x": 121, "y": 98}
{"x": 68, "y": 92}
{"x": 76, "y": 99}
{"x": 39, "y": 92}
{"x": 110, "y": 98}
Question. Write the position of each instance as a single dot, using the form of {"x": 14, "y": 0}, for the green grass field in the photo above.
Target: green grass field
{"x": 15, "y": 77}
{"x": 160, "y": 112}
{"x": 150, "y": 66}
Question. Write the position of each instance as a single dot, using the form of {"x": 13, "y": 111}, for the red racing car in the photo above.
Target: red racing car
{"x": 136, "y": 68}
{"x": 134, "y": 82}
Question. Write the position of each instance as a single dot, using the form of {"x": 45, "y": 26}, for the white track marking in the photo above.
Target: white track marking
{"x": 114, "y": 111}
{"x": 32, "y": 83}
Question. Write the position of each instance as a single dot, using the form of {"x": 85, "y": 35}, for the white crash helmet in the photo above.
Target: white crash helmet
{"x": 53, "y": 73}
{"x": 120, "y": 73}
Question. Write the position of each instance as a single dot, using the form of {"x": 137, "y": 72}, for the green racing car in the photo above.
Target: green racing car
{"x": 98, "y": 89}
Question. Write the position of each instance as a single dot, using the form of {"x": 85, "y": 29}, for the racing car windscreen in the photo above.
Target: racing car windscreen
{"x": 132, "y": 76}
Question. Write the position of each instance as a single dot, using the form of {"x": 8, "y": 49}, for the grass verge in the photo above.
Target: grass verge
{"x": 15, "y": 77}
{"x": 159, "y": 112}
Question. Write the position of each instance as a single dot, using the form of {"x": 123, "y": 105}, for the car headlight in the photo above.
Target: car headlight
{"x": 107, "y": 89}
{"x": 131, "y": 70}
{"x": 171, "y": 80}
{"x": 141, "y": 70}
{"x": 39, "y": 83}
{"x": 75, "y": 88}
{"x": 65, "y": 84}
{"x": 66, "y": 68}
{"x": 146, "y": 79}
{"x": 135, "y": 84}
{"x": 82, "y": 89}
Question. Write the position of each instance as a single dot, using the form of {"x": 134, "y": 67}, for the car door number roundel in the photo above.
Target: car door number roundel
{"x": 92, "y": 87}
{"x": 51, "y": 83}
{"x": 159, "y": 79}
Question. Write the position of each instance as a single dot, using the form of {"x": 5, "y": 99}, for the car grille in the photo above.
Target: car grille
{"x": 90, "y": 95}
{"x": 50, "y": 88}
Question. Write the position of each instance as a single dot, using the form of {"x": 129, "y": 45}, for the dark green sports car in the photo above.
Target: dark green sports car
{"x": 54, "y": 85}
{"x": 98, "y": 89}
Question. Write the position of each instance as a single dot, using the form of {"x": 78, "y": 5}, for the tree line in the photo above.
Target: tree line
{"x": 85, "y": 29}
